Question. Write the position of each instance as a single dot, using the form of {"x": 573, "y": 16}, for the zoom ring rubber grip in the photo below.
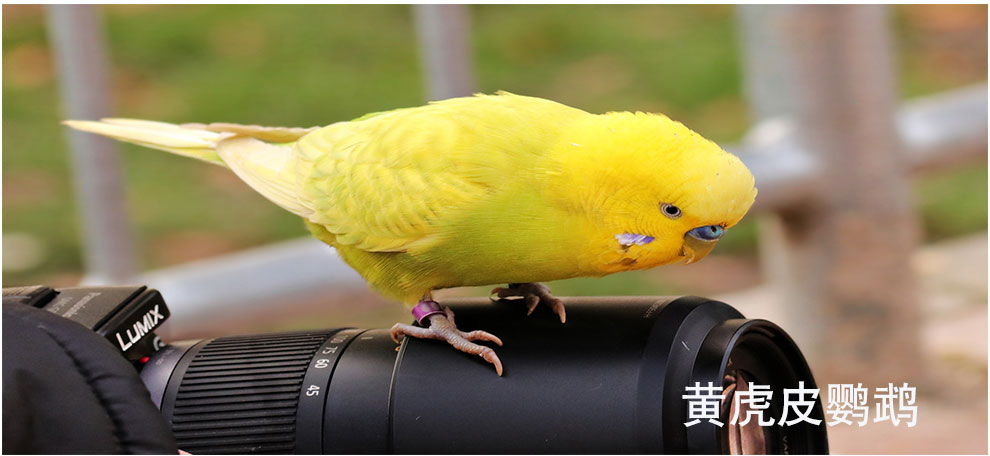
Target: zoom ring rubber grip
{"x": 240, "y": 394}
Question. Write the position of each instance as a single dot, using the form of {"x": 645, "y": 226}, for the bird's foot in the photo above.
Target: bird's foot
{"x": 439, "y": 324}
{"x": 533, "y": 294}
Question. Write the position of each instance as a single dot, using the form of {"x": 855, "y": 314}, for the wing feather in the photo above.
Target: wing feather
{"x": 388, "y": 182}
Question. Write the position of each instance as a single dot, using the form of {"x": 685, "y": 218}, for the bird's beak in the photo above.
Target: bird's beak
{"x": 695, "y": 249}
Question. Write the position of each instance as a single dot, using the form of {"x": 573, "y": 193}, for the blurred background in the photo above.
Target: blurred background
{"x": 865, "y": 127}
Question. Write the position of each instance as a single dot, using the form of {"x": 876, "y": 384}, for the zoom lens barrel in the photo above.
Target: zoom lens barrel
{"x": 610, "y": 380}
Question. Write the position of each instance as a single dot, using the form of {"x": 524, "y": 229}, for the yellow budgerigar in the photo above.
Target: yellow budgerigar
{"x": 481, "y": 190}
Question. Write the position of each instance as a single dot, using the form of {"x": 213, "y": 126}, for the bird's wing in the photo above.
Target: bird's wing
{"x": 385, "y": 186}
{"x": 386, "y": 183}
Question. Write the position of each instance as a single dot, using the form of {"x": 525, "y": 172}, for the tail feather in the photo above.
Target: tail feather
{"x": 266, "y": 167}
{"x": 186, "y": 141}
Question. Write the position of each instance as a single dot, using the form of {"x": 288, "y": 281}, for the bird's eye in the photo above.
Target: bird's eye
{"x": 670, "y": 210}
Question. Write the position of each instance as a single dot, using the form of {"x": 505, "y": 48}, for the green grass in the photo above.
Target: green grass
{"x": 312, "y": 65}
{"x": 953, "y": 204}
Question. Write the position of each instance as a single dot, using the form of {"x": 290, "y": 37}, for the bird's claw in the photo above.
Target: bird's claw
{"x": 532, "y": 294}
{"x": 489, "y": 355}
{"x": 442, "y": 327}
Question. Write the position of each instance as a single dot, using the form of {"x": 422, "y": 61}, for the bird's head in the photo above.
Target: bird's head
{"x": 650, "y": 190}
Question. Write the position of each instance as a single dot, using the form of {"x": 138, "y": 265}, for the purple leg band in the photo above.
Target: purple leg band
{"x": 424, "y": 309}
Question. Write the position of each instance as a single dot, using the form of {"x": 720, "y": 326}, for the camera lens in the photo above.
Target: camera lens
{"x": 760, "y": 353}
{"x": 611, "y": 380}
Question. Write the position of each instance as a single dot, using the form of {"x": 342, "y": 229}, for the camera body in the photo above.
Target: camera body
{"x": 126, "y": 316}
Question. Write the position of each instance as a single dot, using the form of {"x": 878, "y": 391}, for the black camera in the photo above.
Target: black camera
{"x": 611, "y": 380}
{"x": 126, "y": 316}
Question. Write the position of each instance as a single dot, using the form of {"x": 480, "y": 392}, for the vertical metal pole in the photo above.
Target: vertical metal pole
{"x": 80, "y": 58}
{"x": 844, "y": 257}
{"x": 769, "y": 83}
{"x": 768, "y": 76}
{"x": 444, "y": 41}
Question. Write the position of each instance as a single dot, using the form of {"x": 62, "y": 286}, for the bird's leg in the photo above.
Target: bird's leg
{"x": 438, "y": 323}
{"x": 533, "y": 294}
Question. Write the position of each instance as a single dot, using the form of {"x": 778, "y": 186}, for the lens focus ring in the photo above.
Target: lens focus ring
{"x": 240, "y": 394}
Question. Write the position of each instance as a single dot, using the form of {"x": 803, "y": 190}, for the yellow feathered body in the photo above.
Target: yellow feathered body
{"x": 478, "y": 190}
